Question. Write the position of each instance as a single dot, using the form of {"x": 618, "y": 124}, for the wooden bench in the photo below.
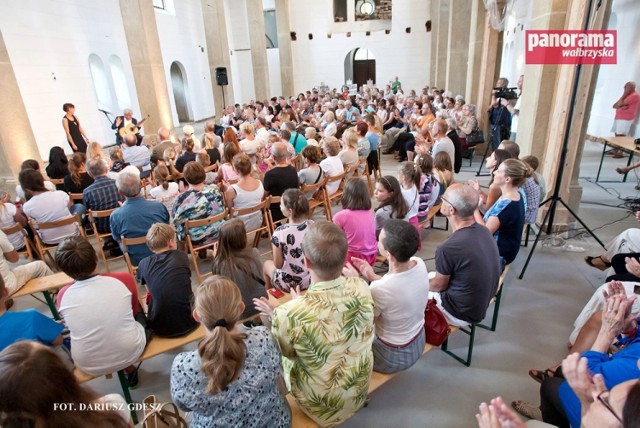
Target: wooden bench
{"x": 299, "y": 419}
{"x": 471, "y": 330}
{"x": 157, "y": 346}
{"x": 45, "y": 285}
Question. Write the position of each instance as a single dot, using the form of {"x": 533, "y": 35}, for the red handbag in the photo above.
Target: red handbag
{"x": 436, "y": 327}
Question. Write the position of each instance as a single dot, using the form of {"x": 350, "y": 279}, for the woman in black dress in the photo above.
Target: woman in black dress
{"x": 76, "y": 136}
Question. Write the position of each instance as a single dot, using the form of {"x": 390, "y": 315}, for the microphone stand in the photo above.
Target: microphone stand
{"x": 107, "y": 116}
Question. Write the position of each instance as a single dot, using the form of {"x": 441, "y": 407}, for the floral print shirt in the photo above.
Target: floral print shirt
{"x": 325, "y": 337}
{"x": 252, "y": 400}
{"x": 196, "y": 205}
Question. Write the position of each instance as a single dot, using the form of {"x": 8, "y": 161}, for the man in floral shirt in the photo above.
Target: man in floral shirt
{"x": 325, "y": 336}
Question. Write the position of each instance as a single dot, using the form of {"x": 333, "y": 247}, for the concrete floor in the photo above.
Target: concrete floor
{"x": 535, "y": 320}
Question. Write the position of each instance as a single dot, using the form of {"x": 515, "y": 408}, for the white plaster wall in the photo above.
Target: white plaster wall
{"x": 181, "y": 37}
{"x": 513, "y": 47}
{"x": 240, "y": 46}
{"x": 397, "y": 54}
{"x": 275, "y": 78}
{"x": 46, "y": 39}
{"x": 625, "y": 15}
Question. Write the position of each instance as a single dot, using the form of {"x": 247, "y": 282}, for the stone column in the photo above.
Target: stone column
{"x": 458, "y": 46}
{"x": 433, "y": 60}
{"x": 476, "y": 39}
{"x": 17, "y": 141}
{"x": 284, "y": 47}
{"x": 258, "y": 43}
{"x": 215, "y": 32}
{"x": 570, "y": 190}
{"x": 141, "y": 31}
{"x": 443, "y": 43}
{"x": 489, "y": 67}
{"x": 539, "y": 83}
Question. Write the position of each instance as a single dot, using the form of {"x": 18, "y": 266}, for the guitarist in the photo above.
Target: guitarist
{"x": 126, "y": 121}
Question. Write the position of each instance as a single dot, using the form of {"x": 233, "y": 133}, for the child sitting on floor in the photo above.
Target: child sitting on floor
{"x": 287, "y": 270}
{"x": 167, "y": 276}
{"x": 358, "y": 222}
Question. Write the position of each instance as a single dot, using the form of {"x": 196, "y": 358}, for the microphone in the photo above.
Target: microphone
{"x": 104, "y": 111}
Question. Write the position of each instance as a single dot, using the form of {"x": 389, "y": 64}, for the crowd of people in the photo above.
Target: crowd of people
{"x": 343, "y": 321}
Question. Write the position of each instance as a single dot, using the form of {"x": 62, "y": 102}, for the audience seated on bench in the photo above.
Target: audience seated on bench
{"x": 399, "y": 298}
{"x": 467, "y": 276}
{"x": 233, "y": 377}
{"x": 18, "y": 276}
{"x": 97, "y": 309}
{"x": 167, "y": 276}
{"x": 312, "y": 339}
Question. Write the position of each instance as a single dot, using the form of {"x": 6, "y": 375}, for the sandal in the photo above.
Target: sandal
{"x": 622, "y": 170}
{"x": 529, "y": 410}
{"x": 589, "y": 260}
{"x": 541, "y": 375}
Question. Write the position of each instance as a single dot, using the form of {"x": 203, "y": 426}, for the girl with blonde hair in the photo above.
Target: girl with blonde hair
{"x": 165, "y": 191}
{"x": 232, "y": 378}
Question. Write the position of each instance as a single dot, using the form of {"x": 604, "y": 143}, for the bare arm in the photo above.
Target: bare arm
{"x": 493, "y": 223}
{"x": 440, "y": 282}
{"x": 84, "y": 134}
{"x": 493, "y": 195}
{"x": 12, "y": 256}
{"x": 278, "y": 258}
{"x": 229, "y": 197}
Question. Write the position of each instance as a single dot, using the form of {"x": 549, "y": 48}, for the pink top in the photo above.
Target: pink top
{"x": 360, "y": 228}
{"x": 228, "y": 173}
{"x": 630, "y": 112}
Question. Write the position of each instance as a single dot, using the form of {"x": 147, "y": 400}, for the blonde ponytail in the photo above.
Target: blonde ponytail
{"x": 222, "y": 352}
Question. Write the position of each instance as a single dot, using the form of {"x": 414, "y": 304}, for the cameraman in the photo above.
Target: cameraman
{"x": 499, "y": 116}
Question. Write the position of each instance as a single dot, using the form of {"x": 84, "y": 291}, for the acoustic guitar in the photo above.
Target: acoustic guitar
{"x": 131, "y": 128}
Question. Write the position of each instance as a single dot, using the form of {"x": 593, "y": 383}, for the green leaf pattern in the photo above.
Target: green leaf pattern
{"x": 330, "y": 330}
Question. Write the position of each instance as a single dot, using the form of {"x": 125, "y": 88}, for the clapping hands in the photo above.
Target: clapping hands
{"x": 498, "y": 415}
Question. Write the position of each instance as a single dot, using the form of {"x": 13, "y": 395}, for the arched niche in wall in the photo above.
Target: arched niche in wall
{"x": 360, "y": 66}
{"x": 120, "y": 83}
{"x": 180, "y": 91}
{"x": 100, "y": 82}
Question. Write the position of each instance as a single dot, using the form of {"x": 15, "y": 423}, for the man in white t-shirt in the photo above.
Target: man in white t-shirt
{"x": 400, "y": 298}
{"x": 442, "y": 143}
{"x": 19, "y": 275}
{"x": 105, "y": 336}
{"x": 262, "y": 133}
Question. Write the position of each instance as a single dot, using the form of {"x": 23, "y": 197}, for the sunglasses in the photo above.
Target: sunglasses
{"x": 605, "y": 402}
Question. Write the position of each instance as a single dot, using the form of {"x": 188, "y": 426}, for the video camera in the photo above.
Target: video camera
{"x": 506, "y": 93}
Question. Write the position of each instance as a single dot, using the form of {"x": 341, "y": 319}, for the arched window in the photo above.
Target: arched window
{"x": 100, "y": 81}
{"x": 119, "y": 82}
